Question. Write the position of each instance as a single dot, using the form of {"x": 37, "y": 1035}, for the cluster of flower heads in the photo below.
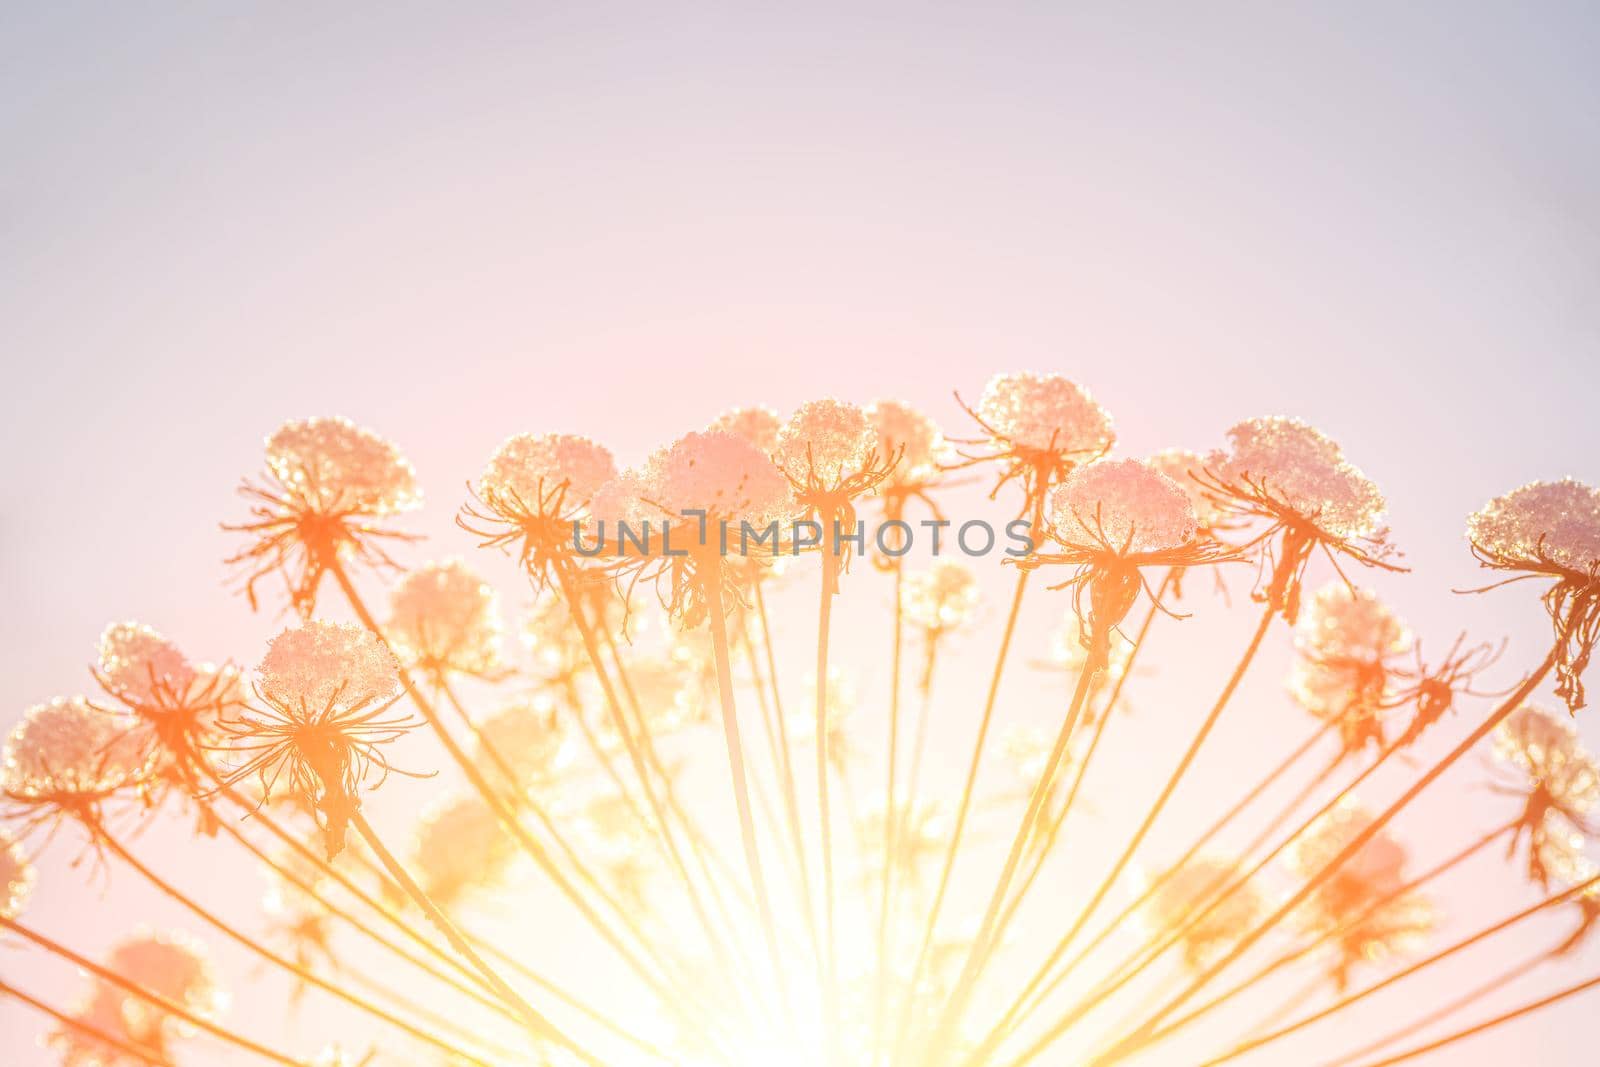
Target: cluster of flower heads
{"x": 444, "y": 619}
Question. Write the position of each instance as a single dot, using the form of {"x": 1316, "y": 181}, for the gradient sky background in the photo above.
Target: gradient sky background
{"x": 457, "y": 224}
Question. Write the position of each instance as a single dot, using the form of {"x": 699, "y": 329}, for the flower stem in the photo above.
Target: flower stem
{"x": 94, "y": 1033}
{"x": 891, "y": 808}
{"x": 171, "y": 1007}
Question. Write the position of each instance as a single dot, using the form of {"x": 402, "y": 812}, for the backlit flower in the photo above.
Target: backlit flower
{"x": 912, "y": 439}
{"x": 1551, "y": 530}
{"x": 533, "y": 489}
{"x": 1347, "y": 643}
{"x": 1187, "y": 891}
{"x": 528, "y": 737}
{"x": 1185, "y": 468}
{"x": 1558, "y": 783}
{"x": 759, "y": 425}
{"x": 71, "y": 756}
{"x": 1045, "y": 413}
{"x": 725, "y": 476}
{"x": 1298, "y": 480}
{"x": 328, "y": 688}
{"x": 459, "y": 847}
{"x": 16, "y": 878}
{"x": 445, "y": 619}
{"x": 1361, "y": 906}
{"x": 328, "y": 481}
{"x": 824, "y": 443}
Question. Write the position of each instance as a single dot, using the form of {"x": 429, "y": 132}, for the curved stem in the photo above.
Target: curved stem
{"x": 171, "y": 1007}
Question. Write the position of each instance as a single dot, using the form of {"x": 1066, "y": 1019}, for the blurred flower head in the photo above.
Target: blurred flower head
{"x": 912, "y": 439}
{"x": 172, "y": 966}
{"x": 824, "y": 444}
{"x": 444, "y": 619}
{"x": 16, "y": 878}
{"x": 1185, "y": 890}
{"x": 528, "y": 736}
{"x": 459, "y": 847}
{"x": 940, "y": 598}
{"x": 725, "y": 476}
{"x": 1347, "y": 643}
{"x": 1037, "y": 428}
{"x": 1186, "y": 468}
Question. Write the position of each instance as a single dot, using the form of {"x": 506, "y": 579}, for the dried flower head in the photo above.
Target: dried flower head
{"x": 328, "y": 688}
{"x": 942, "y": 597}
{"x": 1111, "y": 519}
{"x": 1045, "y": 413}
{"x": 16, "y": 878}
{"x": 1122, "y": 506}
{"x": 69, "y": 756}
{"x": 328, "y": 481}
{"x": 759, "y": 425}
{"x": 1347, "y": 645}
{"x": 1297, "y": 479}
{"x": 459, "y": 847}
{"x": 444, "y": 619}
{"x": 910, "y": 437}
{"x": 1550, "y": 530}
{"x": 1037, "y": 427}
{"x": 180, "y": 704}
{"x": 825, "y": 443}
{"x": 534, "y": 488}
{"x": 1186, "y": 890}
{"x": 725, "y": 476}
{"x": 1558, "y": 783}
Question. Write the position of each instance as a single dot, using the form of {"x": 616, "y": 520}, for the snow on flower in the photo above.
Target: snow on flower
{"x": 67, "y": 749}
{"x": 16, "y": 878}
{"x": 726, "y": 476}
{"x": 759, "y": 425}
{"x": 824, "y": 443}
{"x": 905, "y": 432}
{"x": 1294, "y": 467}
{"x": 320, "y": 665}
{"x": 529, "y": 469}
{"x": 1045, "y": 413}
{"x": 1554, "y": 521}
{"x": 335, "y": 465}
{"x": 1124, "y": 505}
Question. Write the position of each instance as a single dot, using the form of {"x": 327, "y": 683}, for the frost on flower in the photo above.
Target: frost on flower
{"x": 759, "y": 425}
{"x": 460, "y": 846}
{"x": 16, "y": 878}
{"x": 322, "y": 665}
{"x": 1124, "y": 506}
{"x": 140, "y": 666}
{"x": 444, "y": 618}
{"x": 1551, "y": 529}
{"x": 1285, "y": 465}
{"x": 1180, "y": 896}
{"x": 904, "y": 432}
{"x": 1542, "y": 522}
{"x": 1183, "y": 467}
{"x": 336, "y": 466}
{"x": 529, "y": 470}
{"x": 941, "y": 597}
{"x": 67, "y": 751}
{"x": 726, "y": 476}
{"x": 1045, "y": 413}
{"x": 824, "y": 443}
